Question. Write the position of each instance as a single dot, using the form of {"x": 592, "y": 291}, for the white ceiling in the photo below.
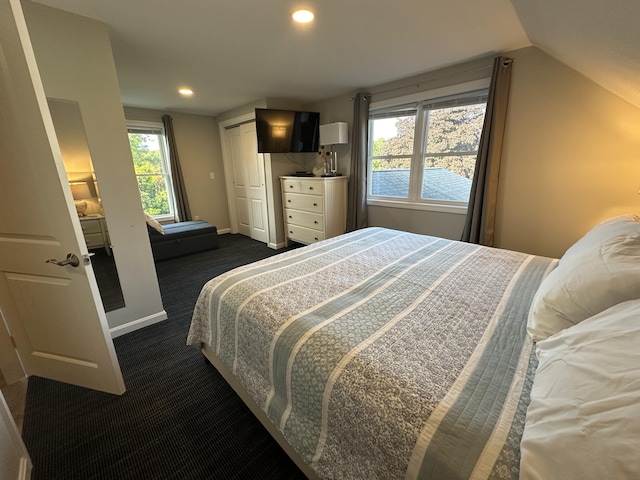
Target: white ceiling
{"x": 232, "y": 52}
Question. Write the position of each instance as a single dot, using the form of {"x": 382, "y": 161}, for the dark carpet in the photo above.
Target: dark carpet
{"x": 178, "y": 419}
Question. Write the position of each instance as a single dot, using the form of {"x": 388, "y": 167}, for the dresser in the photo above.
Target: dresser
{"x": 96, "y": 235}
{"x": 315, "y": 208}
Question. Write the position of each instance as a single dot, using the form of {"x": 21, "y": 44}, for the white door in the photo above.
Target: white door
{"x": 14, "y": 460}
{"x": 253, "y": 163}
{"x": 234, "y": 138}
{"x": 248, "y": 182}
{"x": 53, "y": 312}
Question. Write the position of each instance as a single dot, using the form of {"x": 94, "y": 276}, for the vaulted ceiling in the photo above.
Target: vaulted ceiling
{"x": 232, "y": 52}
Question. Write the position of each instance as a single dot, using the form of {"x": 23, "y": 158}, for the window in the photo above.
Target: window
{"x": 423, "y": 154}
{"x": 151, "y": 164}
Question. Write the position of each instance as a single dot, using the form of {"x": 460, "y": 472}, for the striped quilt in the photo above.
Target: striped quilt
{"x": 383, "y": 354}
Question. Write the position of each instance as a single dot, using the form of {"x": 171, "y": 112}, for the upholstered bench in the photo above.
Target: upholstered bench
{"x": 182, "y": 238}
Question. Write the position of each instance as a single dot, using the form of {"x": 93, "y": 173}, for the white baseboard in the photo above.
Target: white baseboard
{"x": 138, "y": 324}
{"x": 222, "y": 231}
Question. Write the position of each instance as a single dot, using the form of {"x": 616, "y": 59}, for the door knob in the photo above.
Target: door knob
{"x": 70, "y": 260}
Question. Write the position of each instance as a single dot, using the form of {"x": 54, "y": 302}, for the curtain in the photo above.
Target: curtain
{"x": 180, "y": 193}
{"x": 480, "y": 221}
{"x": 357, "y": 199}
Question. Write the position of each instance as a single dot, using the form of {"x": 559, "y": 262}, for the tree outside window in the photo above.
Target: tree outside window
{"x": 152, "y": 170}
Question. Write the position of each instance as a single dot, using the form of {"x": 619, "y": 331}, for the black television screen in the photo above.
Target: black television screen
{"x": 287, "y": 131}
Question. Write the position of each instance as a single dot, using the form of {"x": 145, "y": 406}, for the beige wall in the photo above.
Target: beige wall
{"x": 571, "y": 156}
{"x": 338, "y": 109}
{"x": 198, "y": 143}
{"x": 198, "y": 140}
{"x": 76, "y": 63}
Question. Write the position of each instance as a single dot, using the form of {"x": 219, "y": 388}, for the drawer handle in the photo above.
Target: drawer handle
{"x": 310, "y": 188}
{"x": 315, "y": 238}
{"x": 315, "y": 204}
{"x": 289, "y": 201}
{"x": 290, "y": 186}
{"x": 290, "y": 216}
{"x": 290, "y": 231}
{"x": 315, "y": 221}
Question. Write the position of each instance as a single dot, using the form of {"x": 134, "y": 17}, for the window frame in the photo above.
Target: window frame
{"x": 418, "y": 102}
{"x": 157, "y": 128}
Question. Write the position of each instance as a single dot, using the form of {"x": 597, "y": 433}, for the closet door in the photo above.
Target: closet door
{"x": 247, "y": 169}
{"x": 253, "y": 163}
{"x": 234, "y": 141}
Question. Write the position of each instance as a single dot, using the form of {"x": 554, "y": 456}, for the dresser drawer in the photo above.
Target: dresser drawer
{"x": 94, "y": 240}
{"x": 289, "y": 185}
{"x": 304, "y": 219}
{"x": 90, "y": 226}
{"x": 311, "y": 187}
{"x": 303, "y": 235}
{"x": 299, "y": 201}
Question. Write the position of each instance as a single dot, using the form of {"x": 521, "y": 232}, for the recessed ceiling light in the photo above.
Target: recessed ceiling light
{"x": 186, "y": 92}
{"x": 303, "y": 16}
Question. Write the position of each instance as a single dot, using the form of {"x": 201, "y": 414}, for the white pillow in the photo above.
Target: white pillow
{"x": 596, "y": 278}
{"x": 583, "y": 421}
{"x": 628, "y": 224}
{"x": 154, "y": 224}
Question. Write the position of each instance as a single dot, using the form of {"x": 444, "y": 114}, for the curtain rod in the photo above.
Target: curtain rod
{"x": 419, "y": 84}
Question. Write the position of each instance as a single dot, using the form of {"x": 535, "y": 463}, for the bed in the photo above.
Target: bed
{"x": 383, "y": 354}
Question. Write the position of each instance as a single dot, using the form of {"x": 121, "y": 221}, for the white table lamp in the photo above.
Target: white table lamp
{"x": 334, "y": 134}
{"x": 80, "y": 192}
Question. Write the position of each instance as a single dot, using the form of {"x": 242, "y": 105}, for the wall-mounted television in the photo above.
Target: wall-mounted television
{"x": 287, "y": 131}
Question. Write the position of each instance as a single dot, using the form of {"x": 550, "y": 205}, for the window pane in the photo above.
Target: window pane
{"x": 390, "y": 177}
{"x": 455, "y": 129}
{"x": 392, "y": 148}
{"x": 151, "y": 170}
{"x": 145, "y": 150}
{"x": 450, "y": 130}
{"x": 153, "y": 193}
{"x": 448, "y": 177}
{"x": 393, "y": 136}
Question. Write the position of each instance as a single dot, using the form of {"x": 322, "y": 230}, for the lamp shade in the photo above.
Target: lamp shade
{"x": 80, "y": 190}
{"x": 334, "y": 133}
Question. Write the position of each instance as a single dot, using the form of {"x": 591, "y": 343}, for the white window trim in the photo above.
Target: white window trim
{"x": 426, "y": 96}
{"x": 409, "y": 205}
{"x": 432, "y": 94}
{"x": 164, "y": 148}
